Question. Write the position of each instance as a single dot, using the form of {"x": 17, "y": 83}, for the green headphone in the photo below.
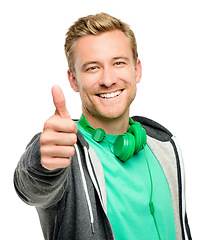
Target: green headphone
{"x": 127, "y": 144}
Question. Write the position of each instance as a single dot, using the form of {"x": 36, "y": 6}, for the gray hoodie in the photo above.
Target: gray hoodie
{"x": 71, "y": 202}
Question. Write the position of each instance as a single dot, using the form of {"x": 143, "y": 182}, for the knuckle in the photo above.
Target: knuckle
{"x": 49, "y": 123}
{"x": 75, "y": 128}
{"x": 45, "y": 162}
{"x": 73, "y": 139}
{"x": 67, "y": 162}
{"x": 71, "y": 151}
{"x": 43, "y": 150}
{"x": 72, "y": 126}
{"x": 44, "y": 138}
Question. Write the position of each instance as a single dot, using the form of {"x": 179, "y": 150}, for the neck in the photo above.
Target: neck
{"x": 110, "y": 126}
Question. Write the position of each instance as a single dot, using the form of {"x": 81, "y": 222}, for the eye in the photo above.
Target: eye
{"x": 93, "y": 68}
{"x": 119, "y": 63}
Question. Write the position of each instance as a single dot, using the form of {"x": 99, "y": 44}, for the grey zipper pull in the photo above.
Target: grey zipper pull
{"x": 92, "y": 227}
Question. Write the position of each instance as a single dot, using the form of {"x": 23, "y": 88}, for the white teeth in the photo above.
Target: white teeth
{"x": 110, "y": 95}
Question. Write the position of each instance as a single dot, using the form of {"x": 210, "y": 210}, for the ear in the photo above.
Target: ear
{"x": 72, "y": 81}
{"x": 138, "y": 70}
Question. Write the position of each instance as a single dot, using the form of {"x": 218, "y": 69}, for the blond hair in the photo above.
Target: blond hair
{"x": 95, "y": 25}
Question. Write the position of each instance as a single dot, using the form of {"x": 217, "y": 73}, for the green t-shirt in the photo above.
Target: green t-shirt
{"x": 128, "y": 188}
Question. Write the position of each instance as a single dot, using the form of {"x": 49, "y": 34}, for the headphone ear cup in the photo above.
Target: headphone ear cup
{"x": 124, "y": 146}
{"x": 98, "y": 134}
{"x": 140, "y": 136}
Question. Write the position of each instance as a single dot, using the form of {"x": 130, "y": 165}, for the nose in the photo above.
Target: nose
{"x": 108, "y": 77}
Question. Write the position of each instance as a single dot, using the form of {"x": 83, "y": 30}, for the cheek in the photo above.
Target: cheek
{"x": 127, "y": 74}
{"x": 87, "y": 84}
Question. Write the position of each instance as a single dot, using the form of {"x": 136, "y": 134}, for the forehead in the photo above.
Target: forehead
{"x": 110, "y": 44}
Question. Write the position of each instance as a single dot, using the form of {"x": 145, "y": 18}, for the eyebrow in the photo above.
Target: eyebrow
{"x": 121, "y": 57}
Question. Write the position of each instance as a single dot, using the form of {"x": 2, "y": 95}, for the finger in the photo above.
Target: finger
{"x": 59, "y": 102}
{"x": 55, "y": 163}
{"x": 58, "y": 124}
{"x": 58, "y": 138}
{"x": 55, "y": 151}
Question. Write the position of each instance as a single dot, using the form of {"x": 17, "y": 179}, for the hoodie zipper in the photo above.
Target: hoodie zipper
{"x": 85, "y": 188}
{"x": 93, "y": 175}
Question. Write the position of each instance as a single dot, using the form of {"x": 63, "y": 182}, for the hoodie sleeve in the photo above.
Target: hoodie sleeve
{"x": 36, "y": 185}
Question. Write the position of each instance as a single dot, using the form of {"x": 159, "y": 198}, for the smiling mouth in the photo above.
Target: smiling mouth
{"x": 110, "y": 95}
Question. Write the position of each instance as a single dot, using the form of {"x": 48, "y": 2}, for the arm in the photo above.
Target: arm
{"x": 41, "y": 175}
{"x": 35, "y": 184}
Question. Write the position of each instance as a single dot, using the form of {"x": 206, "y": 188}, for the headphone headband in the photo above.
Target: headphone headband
{"x": 126, "y": 144}
{"x": 100, "y": 133}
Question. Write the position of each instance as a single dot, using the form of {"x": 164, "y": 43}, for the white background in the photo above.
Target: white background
{"x": 180, "y": 46}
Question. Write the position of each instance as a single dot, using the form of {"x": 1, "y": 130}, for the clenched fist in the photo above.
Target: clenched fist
{"x": 59, "y": 135}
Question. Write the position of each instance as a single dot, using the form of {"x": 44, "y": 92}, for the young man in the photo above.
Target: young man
{"x": 105, "y": 176}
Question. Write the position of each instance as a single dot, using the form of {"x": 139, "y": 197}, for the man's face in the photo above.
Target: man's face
{"x": 105, "y": 74}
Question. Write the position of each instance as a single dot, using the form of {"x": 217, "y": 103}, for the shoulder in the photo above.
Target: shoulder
{"x": 154, "y": 129}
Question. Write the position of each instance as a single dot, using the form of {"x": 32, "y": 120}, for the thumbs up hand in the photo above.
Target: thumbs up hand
{"x": 59, "y": 135}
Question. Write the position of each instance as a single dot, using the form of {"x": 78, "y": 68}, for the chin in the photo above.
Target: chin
{"x": 108, "y": 112}
{"x": 109, "y": 115}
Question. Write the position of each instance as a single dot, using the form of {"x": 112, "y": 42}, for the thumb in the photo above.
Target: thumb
{"x": 59, "y": 102}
